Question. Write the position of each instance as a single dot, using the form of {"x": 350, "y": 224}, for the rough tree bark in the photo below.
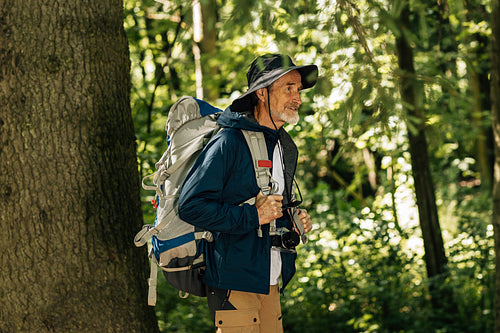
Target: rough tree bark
{"x": 495, "y": 115}
{"x": 412, "y": 95}
{"x": 69, "y": 194}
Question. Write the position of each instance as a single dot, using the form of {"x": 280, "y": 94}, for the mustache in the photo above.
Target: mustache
{"x": 293, "y": 105}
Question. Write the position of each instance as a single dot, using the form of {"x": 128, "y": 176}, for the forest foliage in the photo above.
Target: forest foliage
{"x": 364, "y": 267}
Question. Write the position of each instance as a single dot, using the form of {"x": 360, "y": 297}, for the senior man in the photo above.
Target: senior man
{"x": 245, "y": 262}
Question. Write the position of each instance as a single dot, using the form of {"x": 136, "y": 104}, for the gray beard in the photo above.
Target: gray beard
{"x": 290, "y": 119}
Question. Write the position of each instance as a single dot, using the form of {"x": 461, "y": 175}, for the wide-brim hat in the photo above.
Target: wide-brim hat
{"x": 266, "y": 69}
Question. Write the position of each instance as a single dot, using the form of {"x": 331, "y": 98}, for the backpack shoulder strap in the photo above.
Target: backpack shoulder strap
{"x": 262, "y": 165}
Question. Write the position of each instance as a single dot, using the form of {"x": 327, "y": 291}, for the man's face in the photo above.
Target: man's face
{"x": 285, "y": 98}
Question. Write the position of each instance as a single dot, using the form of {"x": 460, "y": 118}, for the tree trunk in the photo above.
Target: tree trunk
{"x": 495, "y": 115}
{"x": 205, "y": 39}
{"x": 478, "y": 72}
{"x": 412, "y": 95}
{"x": 69, "y": 194}
{"x": 482, "y": 151}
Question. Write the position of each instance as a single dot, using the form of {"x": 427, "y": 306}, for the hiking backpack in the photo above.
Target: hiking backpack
{"x": 177, "y": 246}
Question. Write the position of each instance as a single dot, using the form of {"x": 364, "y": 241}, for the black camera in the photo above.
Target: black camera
{"x": 285, "y": 239}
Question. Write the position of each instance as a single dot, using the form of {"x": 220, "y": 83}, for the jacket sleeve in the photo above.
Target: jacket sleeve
{"x": 208, "y": 198}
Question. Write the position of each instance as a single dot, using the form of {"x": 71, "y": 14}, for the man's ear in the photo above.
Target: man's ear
{"x": 261, "y": 94}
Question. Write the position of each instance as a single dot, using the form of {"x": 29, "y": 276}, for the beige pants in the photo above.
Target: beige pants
{"x": 255, "y": 313}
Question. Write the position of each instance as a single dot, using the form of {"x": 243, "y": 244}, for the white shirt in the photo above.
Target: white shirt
{"x": 278, "y": 177}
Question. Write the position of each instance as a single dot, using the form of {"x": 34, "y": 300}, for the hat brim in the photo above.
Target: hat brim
{"x": 308, "y": 74}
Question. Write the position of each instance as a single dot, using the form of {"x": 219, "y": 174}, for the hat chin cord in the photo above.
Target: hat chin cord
{"x": 269, "y": 107}
{"x": 280, "y": 147}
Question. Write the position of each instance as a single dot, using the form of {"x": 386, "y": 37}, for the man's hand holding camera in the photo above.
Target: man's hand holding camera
{"x": 305, "y": 218}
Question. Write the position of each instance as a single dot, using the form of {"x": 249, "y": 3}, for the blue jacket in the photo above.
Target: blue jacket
{"x": 221, "y": 179}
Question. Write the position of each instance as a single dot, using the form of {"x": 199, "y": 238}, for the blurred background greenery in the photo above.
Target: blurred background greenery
{"x": 365, "y": 268}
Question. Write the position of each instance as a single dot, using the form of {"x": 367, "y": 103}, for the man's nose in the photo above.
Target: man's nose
{"x": 297, "y": 98}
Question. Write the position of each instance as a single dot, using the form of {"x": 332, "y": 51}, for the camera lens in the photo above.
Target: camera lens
{"x": 290, "y": 239}
{"x": 276, "y": 240}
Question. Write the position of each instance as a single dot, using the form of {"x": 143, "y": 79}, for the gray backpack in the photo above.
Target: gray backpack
{"x": 176, "y": 245}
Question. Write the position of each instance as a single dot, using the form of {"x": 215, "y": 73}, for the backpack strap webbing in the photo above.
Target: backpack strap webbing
{"x": 257, "y": 144}
{"x": 148, "y": 231}
{"x": 261, "y": 163}
{"x": 153, "y": 279}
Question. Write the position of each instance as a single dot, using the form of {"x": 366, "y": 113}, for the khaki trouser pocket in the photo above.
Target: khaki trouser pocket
{"x": 237, "y": 321}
